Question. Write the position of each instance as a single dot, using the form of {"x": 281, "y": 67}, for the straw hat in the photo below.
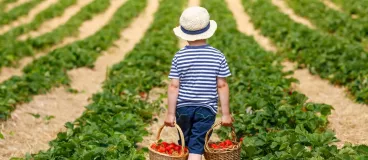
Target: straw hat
{"x": 195, "y": 24}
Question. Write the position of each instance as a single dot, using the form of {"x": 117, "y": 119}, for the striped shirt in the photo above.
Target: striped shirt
{"x": 197, "y": 68}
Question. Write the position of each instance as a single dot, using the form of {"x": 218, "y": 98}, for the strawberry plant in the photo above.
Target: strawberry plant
{"x": 115, "y": 121}
{"x": 334, "y": 58}
{"x": 51, "y": 70}
{"x": 15, "y": 50}
{"x": 18, "y": 11}
{"x": 276, "y": 122}
{"x": 330, "y": 20}
{"x": 355, "y": 8}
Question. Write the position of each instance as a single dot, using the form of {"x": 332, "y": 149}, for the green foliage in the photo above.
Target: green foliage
{"x": 116, "y": 119}
{"x": 53, "y": 11}
{"x": 14, "y": 50}
{"x": 354, "y": 7}
{"x": 330, "y": 20}
{"x": 299, "y": 144}
{"x": 51, "y": 70}
{"x": 336, "y": 59}
{"x": 16, "y": 12}
{"x": 276, "y": 122}
{"x": 1, "y": 136}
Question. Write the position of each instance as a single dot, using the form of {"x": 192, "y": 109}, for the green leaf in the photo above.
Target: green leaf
{"x": 35, "y": 115}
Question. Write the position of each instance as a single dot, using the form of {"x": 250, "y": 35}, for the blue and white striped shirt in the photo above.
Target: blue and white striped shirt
{"x": 197, "y": 68}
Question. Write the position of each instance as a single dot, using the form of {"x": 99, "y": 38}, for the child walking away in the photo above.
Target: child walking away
{"x": 198, "y": 81}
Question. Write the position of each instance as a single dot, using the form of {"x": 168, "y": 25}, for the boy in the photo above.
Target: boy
{"x": 197, "y": 76}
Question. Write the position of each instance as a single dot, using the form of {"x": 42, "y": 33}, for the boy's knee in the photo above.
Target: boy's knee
{"x": 194, "y": 156}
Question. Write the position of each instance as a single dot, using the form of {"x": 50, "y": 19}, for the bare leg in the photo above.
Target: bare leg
{"x": 195, "y": 157}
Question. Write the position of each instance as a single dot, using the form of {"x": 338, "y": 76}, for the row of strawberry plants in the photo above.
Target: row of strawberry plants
{"x": 353, "y": 7}
{"x": 279, "y": 124}
{"x": 330, "y": 20}
{"x": 53, "y": 11}
{"x": 13, "y": 50}
{"x": 16, "y": 12}
{"x": 51, "y": 70}
{"x": 332, "y": 57}
{"x": 114, "y": 122}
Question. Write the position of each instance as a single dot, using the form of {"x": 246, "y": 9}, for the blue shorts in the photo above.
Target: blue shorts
{"x": 195, "y": 122}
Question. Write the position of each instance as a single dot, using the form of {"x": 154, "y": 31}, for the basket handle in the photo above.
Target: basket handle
{"x": 180, "y": 134}
{"x": 233, "y": 134}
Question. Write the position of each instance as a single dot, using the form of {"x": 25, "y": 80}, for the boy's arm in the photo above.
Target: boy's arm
{"x": 223, "y": 90}
{"x": 173, "y": 92}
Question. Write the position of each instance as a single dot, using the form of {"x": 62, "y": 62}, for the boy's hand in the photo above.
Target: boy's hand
{"x": 227, "y": 120}
{"x": 169, "y": 120}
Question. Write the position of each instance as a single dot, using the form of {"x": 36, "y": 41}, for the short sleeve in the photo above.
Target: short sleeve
{"x": 174, "y": 73}
{"x": 224, "y": 69}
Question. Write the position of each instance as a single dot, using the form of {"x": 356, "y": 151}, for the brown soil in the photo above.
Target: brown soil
{"x": 29, "y": 17}
{"x": 281, "y": 4}
{"x": 52, "y": 24}
{"x": 348, "y": 118}
{"x": 24, "y": 133}
{"x": 331, "y": 5}
{"x": 15, "y": 4}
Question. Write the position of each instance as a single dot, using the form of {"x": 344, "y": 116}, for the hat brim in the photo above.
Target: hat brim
{"x": 189, "y": 37}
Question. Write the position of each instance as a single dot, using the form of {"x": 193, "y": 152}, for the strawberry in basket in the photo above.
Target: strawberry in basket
{"x": 171, "y": 149}
{"x": 223, "y": 145}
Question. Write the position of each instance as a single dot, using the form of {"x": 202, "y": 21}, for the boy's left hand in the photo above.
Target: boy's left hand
{"x": 227, "y": 120}
{"x": 169, "y": 120}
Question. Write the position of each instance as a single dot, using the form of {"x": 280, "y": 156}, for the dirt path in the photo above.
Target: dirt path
{"x": 29, "y": 17}
{"x": 23, "y": 133}
{"x": 288, "y": 11}
{"x": 15, "y": 4}
{"x": 331, "y": 5}
{"x": 348, "y": 118}
{"x": 52, "y": 24}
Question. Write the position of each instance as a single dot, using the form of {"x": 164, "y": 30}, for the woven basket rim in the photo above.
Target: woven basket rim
{"x": 222, "y": 151}
{"x": 183, "y": 155}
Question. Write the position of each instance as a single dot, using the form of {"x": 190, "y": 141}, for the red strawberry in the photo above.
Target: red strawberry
{"x": 153, "y": 146}
{"x": 161, "y": 149}
{"x": 228, "y": 142}
{"x": 165, "y": 144}
{"x": 143, "y": 94}
{"x": 177, "y": 148}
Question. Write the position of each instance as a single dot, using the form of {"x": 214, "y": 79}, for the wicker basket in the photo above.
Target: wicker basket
{"x": 222, "y": 154}
{"x": 154, "y": 155}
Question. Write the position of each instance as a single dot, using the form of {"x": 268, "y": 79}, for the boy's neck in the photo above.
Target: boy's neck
{"x": 197, "y": 42}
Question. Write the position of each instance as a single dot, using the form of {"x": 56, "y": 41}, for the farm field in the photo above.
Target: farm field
{"x": 86, "y": 79}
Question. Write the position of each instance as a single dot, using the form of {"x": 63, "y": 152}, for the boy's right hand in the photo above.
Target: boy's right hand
{"x": 169, "y": 120}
